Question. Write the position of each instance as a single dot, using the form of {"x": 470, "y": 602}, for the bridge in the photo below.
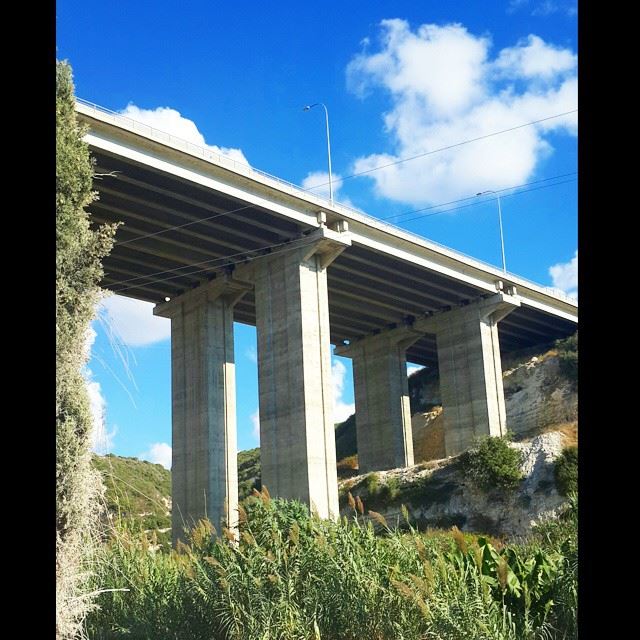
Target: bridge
{"x": 211, "y": 240}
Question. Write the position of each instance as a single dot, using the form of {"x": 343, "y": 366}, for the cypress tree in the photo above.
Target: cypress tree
{"x": 79, "y": 251}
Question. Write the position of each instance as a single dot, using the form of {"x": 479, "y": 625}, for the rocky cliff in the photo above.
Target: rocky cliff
{"x": 438, "y": 494}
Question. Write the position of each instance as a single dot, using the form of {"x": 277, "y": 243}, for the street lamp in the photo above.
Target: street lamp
{"x": 326, "y": 114}
{"x": 504, "y": 263}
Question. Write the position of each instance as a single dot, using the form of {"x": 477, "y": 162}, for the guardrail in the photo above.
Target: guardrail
{"x": 246, "y": 169}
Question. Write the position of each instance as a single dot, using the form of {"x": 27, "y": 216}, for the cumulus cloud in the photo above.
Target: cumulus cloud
{"x": 532, "y": 57}
{"x": 255, "y": 421}
{"x": 133, "y": 321}
{"x": 412, "y": 368}
{"x": 341, "y": 409}
{"x": 171, "y": 121}
{"x": 445, "y": 88}
{"x": 564, "y": 276}
{"x": 158, "y": 453}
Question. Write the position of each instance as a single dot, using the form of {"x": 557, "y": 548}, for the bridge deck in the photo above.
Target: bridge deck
{"x": 386, "y": 275}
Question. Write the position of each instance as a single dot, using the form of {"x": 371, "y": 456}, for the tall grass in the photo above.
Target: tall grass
{"x": 293, "y": 576}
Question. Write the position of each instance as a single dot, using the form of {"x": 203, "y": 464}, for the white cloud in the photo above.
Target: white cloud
{"x": 255, "y": 421}
{"x": 318, "y": 182}
{"x": 533, "y": 57}
{"x": 412, "y": 368}
{"x": 133, "y": 321}
{"x": 158, "y": 453}
{"x": 101, "y": 437}
{"x": 444, "y": 89}
{"x": 170, "y": 121}
{"x": 341, "y": 410}
{"x": 564, "y": 276}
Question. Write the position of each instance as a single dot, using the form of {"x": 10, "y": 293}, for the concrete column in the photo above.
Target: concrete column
{"x": 383, "y": 417}
{"x": 470, "y": 370}
{"x": 204, "y": 451}
{"x": 297, "y": 441}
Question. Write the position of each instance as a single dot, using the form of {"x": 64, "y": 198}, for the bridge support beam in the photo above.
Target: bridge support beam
{"x": 297, "y": 440}
{"x": 204, "y": 451}
{"x": 383, "y": 416}
{"x": 470, "y": 369}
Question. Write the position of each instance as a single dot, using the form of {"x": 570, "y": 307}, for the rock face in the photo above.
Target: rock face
{"x": 537, "y": 398}
{"x": 437, "y": 494}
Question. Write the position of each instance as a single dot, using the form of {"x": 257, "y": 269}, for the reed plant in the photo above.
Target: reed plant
{"x": 289, "y": 575}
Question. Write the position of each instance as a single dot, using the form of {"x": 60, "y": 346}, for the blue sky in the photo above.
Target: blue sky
{"x": 399, "y": 79}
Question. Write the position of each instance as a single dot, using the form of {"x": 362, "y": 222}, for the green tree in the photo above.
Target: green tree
{"x": 79, "y": 251}
{"x": 493, "y": 463}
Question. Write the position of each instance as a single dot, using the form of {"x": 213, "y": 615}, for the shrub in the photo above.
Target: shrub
{"x": 249, "y": 473}
{"x": 391, "y": 489}
{"x": 493, "y": 463}
{"x": 372, "y": 484}
{"x": 568, "y": 357}
{"x": 566, "y": 471}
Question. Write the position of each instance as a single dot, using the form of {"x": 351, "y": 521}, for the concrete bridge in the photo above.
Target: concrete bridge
{"x": 211, "y": 241}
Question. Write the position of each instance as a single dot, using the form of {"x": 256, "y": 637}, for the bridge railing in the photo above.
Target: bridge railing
{"x": 246, "y": 169}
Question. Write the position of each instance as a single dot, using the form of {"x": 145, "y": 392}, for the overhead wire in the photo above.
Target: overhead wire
{"x": 451, "y": 146}
{"x": 474, "y": 197}
{"x": 354, "y": 175}
{"x": 473, "y": 204}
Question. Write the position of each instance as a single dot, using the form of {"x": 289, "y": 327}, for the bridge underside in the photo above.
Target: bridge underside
{"x": 368, "y": 291}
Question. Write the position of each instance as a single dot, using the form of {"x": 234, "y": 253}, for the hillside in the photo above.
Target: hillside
{"x": 137, "y": 492}
{"x": 440, "y": 493}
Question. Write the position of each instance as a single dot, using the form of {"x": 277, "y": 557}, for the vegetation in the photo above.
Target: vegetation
{"x": 294, "y": 576}
{"x": 79, "y": 251}
{"x": 138, "y": 494}
{"x": 568, "y": 356}
{"x": 566, "y": 471}
{"x": 346, "y": 444}
{"x": 493, "y": 463}
{"x": 372, "y": 483}
{"x": 249, "y": 472}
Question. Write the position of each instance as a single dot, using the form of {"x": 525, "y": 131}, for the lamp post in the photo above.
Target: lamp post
{"x": 326, "y": 114}
{"x": 504, "y": 263}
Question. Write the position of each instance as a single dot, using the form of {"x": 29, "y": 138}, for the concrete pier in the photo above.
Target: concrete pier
{"x": 297, "y": 441}
{"x": 470, "y": 369}
{"x": 204, "y": 451}
{"x": 383, "y": 416}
